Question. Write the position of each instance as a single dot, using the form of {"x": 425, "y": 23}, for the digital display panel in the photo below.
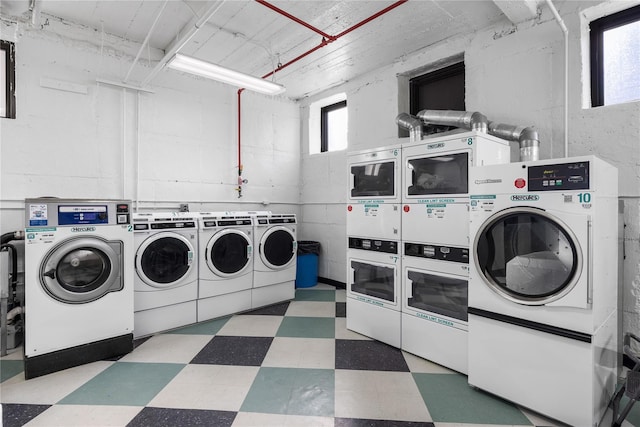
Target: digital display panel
{"x": 561, "y": 176}
{"x": 82, "y": 214}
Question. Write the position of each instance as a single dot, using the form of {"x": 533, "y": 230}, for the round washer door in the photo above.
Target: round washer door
{"x": 164, "y": 259}
{"x": 229, "y": 253}
{"x": 527, "y": 256}
{"x": 278, "y": 247}
{"x": 82, "y": 269}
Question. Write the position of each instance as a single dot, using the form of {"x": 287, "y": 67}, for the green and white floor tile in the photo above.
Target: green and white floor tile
{"x": 292, "y": 364}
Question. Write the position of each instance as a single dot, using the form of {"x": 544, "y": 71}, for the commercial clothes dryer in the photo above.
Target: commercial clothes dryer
{"x": 166, "y": 266}
{"x": 274, "y": 264}
{"x": 78, "y": 282}
{"x": 435, "y": 241}
{"x": 225, "y": 267}
{"x": 373, "y": 243}
{"x": 373, "y": 288}
{"x": 543, "y": 285}
{"x": 373, "y": 199}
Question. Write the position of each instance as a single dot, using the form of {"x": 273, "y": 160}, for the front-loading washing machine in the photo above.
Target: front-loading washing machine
{"x": 78, "y": 282}
{"x": 274, "y": 263}
{"x": 166, "y": 271}
{"x": 543, "y": 285}
{"x": 435, "y": 241}
{"x": 225, "y": 267}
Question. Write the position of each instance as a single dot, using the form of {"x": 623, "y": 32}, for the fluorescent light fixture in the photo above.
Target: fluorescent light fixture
{"x": 206, "y": 69}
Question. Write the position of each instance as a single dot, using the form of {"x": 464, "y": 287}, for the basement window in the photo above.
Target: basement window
{"x": 333, "y": 127}
{"x": 615, "y": 58}
{"x": 442, "y": 89}
{"x": 7, "y": 80}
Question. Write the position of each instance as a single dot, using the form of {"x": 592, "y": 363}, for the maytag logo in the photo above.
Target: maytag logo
{"x": 82, "y": 229}
{"x": 438, "y": 145}
{"x": 525, "y": 198}
{"x": 488, "y": 181}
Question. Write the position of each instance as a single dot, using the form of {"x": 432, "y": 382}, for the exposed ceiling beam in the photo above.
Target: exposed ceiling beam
{"x": 518, "y": 10}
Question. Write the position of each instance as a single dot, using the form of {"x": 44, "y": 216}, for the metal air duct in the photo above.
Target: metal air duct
{"x": 527, "y": 137}
{"x": 412, "y": 124}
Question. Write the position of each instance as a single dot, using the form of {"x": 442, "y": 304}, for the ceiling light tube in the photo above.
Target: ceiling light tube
{"x": 206, "y": 69}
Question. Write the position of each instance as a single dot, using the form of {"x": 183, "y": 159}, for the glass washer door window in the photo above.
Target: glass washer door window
{"x": 527, "y": 256}
{"x": 82, "y": 269}
{"x": 228, "y": 253}
{"x": 278, "y": 247}
{"x": 164, "y": 259}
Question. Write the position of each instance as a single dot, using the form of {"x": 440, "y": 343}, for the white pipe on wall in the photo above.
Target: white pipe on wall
{"x": 565, "y": 31}
{"x": 123, "y": 167}
{"x": 137, "y": 151}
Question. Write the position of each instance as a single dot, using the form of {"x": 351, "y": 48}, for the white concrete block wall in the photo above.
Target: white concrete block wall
{"x": 180, "y": 142}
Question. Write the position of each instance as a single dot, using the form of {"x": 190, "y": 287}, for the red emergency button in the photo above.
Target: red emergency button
{"x": 406, "y": 208}
{"x": 520, "y": 183}
{"x": 349, "y": 208}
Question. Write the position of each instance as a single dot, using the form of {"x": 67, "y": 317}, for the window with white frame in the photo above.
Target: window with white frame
{"x": 328, "y": 124}
{"x": 615, "y": 58}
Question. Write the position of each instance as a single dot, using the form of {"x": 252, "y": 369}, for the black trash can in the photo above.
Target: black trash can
{"x": 307, "y": 269}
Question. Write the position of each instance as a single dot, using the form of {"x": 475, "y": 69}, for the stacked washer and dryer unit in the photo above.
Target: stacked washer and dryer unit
{"x": 78, "y": 282}
{"x": 435, "y": 242}
{"x": 543, "y": 286}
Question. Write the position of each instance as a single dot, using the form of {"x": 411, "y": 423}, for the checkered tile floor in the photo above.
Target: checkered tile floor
{"x": 292, "y": 364}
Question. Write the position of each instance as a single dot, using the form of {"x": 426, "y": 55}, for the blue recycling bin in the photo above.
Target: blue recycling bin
{"x": 307, "y": 268}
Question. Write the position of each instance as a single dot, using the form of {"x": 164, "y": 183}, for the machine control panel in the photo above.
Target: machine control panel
{"x": 444, "y": 253}
{"x": 559, "y": 176}
{"x": 82, "y": 214}
{"x": 387, "y": 246}
{"x": 169, "y": 225}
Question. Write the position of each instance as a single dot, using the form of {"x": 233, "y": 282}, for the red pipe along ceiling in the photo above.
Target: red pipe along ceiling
{"x": 326, "y": 39}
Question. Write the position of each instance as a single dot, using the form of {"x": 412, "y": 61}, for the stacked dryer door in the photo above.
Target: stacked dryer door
{"x": 543, "y": 285}
{"x": 226, "y": 264}
{"x": 274, "y": 265}
{"x": 78, "y": 283}
{"x": 435, "y": 242}
{"x": 373, "y": 244}
{"x": 166, "y": 266}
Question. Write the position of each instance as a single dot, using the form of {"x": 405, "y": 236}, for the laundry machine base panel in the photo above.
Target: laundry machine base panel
{"x": 223, "y": 305}
{"x": 161, "y": 319}
{"x": 444, "y": 345}
{"x": 145, "y": 300}
{"x": 267, "y": 295}
{"x": 48, "y": 363}
{"x": 376, "y": 322}
{"x": 267, "y": 278}
{"x": 562, "y": 378}
{"x": 211, "y": 288}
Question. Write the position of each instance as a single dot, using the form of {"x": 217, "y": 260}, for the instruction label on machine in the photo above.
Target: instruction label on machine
{"x": 483, "y": 203}
{"x": 38, "y": 215}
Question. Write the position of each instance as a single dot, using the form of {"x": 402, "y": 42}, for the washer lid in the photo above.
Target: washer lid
{"x": 82, "y": 269}
{"x": 528, "y": 256}
{"x": 229, "y": 253}
{"x": 164, "y": 259}
{"x": 278, "y": 247}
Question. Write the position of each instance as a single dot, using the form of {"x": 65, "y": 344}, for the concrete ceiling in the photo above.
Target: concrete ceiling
{"x": 250, "y": 37}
